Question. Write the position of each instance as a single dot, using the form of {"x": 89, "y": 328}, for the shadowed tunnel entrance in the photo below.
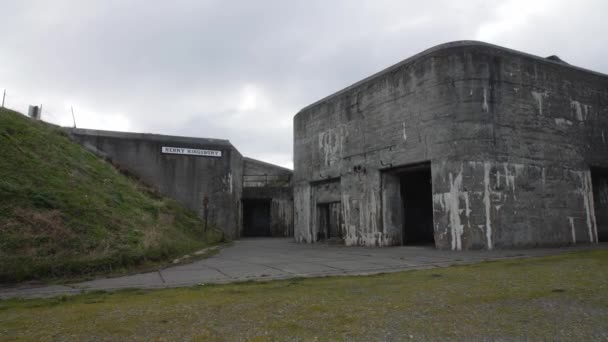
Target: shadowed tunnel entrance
{"x": 256, "y": 217}
{"x": 408, "y": 203}
{"x": 417, "y": 197}
{"x": 599, "y": 180}
{"x": 329, "y": 218}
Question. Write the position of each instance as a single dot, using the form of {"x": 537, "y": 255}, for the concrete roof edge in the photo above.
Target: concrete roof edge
{"x": 453, "y": 44}
{"x": 266, "y": 163}
{"x": 149, "y": 136}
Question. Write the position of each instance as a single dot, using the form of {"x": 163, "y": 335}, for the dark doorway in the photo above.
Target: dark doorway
{"x": 417, "y": 198}
{"x": 329, "y": 216}
{"x": 256, "y": 218}
{"x": 599, "y": 180}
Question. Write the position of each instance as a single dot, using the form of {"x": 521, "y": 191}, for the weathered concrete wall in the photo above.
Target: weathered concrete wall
{"x": 258, "y": 167}
{"x": 267, "y": 181}
{"x": 510, "y": 137}
{"x": 281, "y": 217}
{"x": 186, "y": 178}
{"x": 258, "y": 173}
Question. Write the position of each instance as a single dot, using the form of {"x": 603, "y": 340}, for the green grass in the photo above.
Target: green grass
{"x": 64, "y": 212}
{"x": 561, "y": 297}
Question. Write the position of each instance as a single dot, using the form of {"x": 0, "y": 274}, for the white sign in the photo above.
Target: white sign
{"x": 191, "y": 151}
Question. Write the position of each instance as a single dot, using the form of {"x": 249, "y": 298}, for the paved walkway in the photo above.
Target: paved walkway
{"x": 276, "y": 258}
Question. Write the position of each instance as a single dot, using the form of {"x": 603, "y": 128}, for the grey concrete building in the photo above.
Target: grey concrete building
{"x": 205, "y": 175}
{"x": 466, "y": 145}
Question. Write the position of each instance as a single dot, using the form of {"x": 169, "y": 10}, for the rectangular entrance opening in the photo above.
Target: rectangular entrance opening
{"x": 599, "y": 182}
{"x": 256, "y": 217}
{"x": 329, "y": 218}
{"x": 417, "y": 202}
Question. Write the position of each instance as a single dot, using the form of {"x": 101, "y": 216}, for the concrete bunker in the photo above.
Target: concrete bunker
{"x": 239, "y": 195}
{"x": 509, "y": 137}
{"x": 408, "y": 201}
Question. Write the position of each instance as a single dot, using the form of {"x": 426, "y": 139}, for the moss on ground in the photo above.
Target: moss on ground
{"x": 64, "y": 212}
{"x": 561, "y": 297}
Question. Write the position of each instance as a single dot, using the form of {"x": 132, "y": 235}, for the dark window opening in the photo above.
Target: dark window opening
{"x": 599, "y": 181}
{"x": 417, "y": 200}
{"x": 329, "y": 218}
{"x": 256, "y": 218}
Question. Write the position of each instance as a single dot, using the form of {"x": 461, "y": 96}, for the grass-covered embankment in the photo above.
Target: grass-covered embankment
{"x": 64, "y": 212}
{"x": 553, "y": 298}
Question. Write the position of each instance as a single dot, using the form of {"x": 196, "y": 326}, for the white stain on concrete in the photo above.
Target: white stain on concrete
{"x": 587, "y": 194}
{"x": 358, "y": 227}
{"x": 487, "y": 203}
{"x": 360, "y": 219}
{"x": 457, "y": 209}
{"x": 494, "y": 199}
{"x": 467, "y": 206}
{"x": 580, "y": 110}
{"x": 543, "y": 177}
{"x": 346, "y": 214}
{"x": 509, "y": 179}
{"x": 539, "y": 97}
{"x": 587, "y": 111}
{"x": 563, "y": 122}
{"x": 228, "y": 182}
{"x": 485, "y": 106}
{"x": 571, "y": 220}
{"x": 498, "y": 178}
{"x": 370, "y": 239}
{"x": 302, "y": 214}
{"x": 404, "y": 134}
{"x": 370, "y": 216}
{"x": 330, "y": 144}
{"x": 450, "y": 202}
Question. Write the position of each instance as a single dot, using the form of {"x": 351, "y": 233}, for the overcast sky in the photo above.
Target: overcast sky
{"x": 240, "y": 70}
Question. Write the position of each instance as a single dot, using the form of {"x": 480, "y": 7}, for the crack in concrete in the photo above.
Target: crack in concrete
{"x": 161, "y": 276}
{"x": 276, "y": 268}
{"x": 220, "y": 272}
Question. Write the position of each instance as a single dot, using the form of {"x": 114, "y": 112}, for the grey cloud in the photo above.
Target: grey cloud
{"x": 241, "y": 70}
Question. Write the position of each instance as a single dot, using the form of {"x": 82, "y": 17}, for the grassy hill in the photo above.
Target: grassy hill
{"x": 65, "y": 212}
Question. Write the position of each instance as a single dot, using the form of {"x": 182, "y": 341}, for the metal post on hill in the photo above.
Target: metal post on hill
{"x": 3, "y": 97}
{"x": 73, "y": 117}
